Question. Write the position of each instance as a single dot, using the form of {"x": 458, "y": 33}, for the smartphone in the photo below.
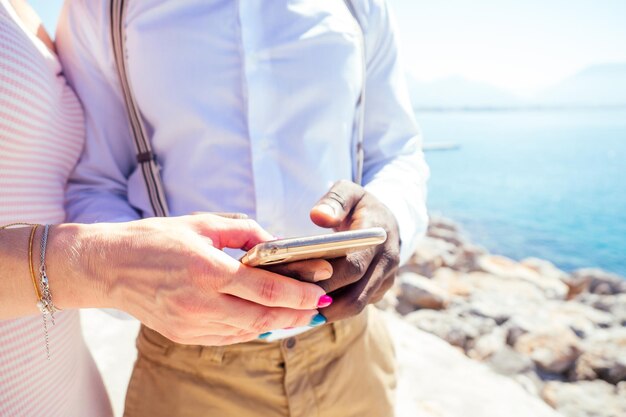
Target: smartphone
{"x": 328, "y": 246}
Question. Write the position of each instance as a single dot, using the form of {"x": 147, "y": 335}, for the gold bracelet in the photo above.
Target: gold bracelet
{"x": 30, "y": 252}
{"x": 8, "y": 226}
{"x": 30, "y": 262}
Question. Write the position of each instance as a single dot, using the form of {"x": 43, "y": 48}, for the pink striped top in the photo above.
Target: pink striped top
{"x": 41, "y": 137}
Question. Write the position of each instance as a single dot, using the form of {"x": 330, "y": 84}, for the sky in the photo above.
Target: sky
{"x": 522, "y": 46}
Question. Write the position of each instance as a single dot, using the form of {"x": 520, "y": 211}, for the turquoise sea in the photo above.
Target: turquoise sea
{"x": 549, "y": 184}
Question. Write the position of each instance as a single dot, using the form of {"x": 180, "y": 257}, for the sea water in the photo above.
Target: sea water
{"x": 549, "y": 184}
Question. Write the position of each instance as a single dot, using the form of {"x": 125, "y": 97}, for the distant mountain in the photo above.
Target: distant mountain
{"x": 598, "y": 85}
{"x": 458, "y": 92}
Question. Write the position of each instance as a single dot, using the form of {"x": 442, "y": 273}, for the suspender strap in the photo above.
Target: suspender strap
{"x": 358, "y": 128}
{"x": 145, "y": 156}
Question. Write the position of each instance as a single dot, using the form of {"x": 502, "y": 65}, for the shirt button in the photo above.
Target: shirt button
{"x": 290, "y": 343}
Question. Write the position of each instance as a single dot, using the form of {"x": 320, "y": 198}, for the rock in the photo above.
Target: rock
{"x": 389, "y": 301}
{"x": 614, "y": 305}
{"x": 582, "y": 319}
{"x": 604, "y": 357}
{"x": 485, "y": 283}
{"x": 430, "y": 255}
{"x": 507, "y": 268}
{"x": 598, "y": 281}
{"x": 453, "y": 282}
{"x": 544, "y": 268}
{"x": 554, "y": 316}
{"x": 510, "y": 362}
{"x": 488, "y": 344}
{"x": 435, "y": 379}
{"x": 421, "y": 292}
{"x": 498, "y": 308}
{"x": 466, "y": 258}
{"x": 585, "y": 399}
{"x": 443, "y": 223}
{"x": 555, "y": 351}
{"x": 456, "y": 330}
{"x": 449, "y": 236}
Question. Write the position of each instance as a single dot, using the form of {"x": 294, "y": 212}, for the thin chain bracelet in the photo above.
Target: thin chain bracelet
{"x": 45, "y": 303}
{"x": 44, "y": 297}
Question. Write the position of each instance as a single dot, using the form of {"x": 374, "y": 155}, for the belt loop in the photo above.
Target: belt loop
{"x": 212, "y": 353}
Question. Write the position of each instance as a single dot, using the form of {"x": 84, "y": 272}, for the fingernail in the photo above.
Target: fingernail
{"x": 324, "y": 301}
{"x": 264, "y": 335}
{"x": 326, "y": 209}
{"x": 318, "y": 320}
{"x": 322, "y": 274}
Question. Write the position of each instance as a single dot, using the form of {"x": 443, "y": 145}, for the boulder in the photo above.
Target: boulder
{"x": 544, "y": 268}
{"x": 553, "y": 351}
{"x": 421, "y": 292}
{"x": 509, "y": 362}
{"x": 614, "y": 305}
{"x": 494, "y": 285}
{"x": 585, "y": 399}
{"x": 603, "y": 357}
{"x": 488, "y": 344}
{"x": 554, "y": 316}
{"x": 447, "y": 235}
{"x": 430, "y": 255}
{"x": 507, "y": 268}
{"x": 453, "y": 282}
{"x": 436, "y": 380}
{"x": 389, "y": 301}
{"x": 456, "y": 330}
{"x": 465, "y": 258}
{"x": 442, "y": 223}
{"x": 598, "y": 281}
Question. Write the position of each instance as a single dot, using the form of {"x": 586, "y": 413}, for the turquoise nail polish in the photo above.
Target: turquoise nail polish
{"x": 264, "y": 335}
{"x": 317, "y": 320}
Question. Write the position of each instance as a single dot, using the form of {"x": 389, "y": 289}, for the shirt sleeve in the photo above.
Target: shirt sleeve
{"x": 97, "y": 189}
{"x": 394, "y": 168}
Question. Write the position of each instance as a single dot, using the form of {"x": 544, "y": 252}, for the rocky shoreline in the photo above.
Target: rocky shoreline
{"x": 562, "y": 336}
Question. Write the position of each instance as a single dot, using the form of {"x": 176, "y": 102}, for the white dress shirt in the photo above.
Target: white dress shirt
{"x": 250, "y": 107}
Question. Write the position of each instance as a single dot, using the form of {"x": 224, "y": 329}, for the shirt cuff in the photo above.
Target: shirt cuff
{"x": 412, "y": 217}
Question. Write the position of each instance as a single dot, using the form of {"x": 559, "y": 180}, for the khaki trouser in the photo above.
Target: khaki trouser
{"x": 344, "y": 369}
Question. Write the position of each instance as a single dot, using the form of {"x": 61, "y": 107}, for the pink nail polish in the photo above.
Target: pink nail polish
{"x": 325, "y": 301}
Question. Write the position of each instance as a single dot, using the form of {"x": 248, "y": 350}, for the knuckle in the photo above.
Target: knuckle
{"x": 358, "y": 305}
{"x": 269, "y": 291}
{"x": 388, "y": 283}
{"x": 343, "y": 184}
{"x": 338, "y": 198}
{"x": 356, "y": 266}
{"x": 391, "y": 258}
{"x": 261, "y": 323}
{"x": 250, "y": 224}
{"x": 305, "y": 299}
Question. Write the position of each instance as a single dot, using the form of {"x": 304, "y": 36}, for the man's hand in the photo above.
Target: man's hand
{"x": 362, "y": 277}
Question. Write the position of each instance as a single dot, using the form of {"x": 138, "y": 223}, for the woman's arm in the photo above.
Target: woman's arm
{"x": 171, "y": 274}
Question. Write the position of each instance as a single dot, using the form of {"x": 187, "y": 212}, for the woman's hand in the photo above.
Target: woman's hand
{"x": 171, "y": 274}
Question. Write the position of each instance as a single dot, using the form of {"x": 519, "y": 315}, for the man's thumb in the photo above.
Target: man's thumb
{"x": 336, "y": 204}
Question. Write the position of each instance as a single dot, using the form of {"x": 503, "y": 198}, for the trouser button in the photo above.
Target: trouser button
{"x": 290, "y": 342}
